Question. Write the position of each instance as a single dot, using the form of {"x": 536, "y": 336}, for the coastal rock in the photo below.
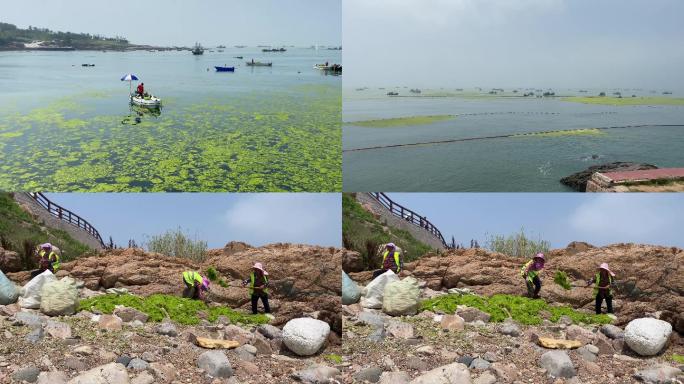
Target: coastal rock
{"x": 215, "y": 364}
{"x": 578, "y": 181}
{"x": 105, "y": 374}
{"x": 305, "y": 336}
{"x": 647, "y": 336}
{"x": 455, "y": 373}
{"x": 557, "y": 364}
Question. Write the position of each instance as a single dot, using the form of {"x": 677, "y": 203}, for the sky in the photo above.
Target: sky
{"x": 560, "y": 218}
{"x": 521, "y": 43}
{"x": 257, "y": 219}
{"x": 182, "y": 22}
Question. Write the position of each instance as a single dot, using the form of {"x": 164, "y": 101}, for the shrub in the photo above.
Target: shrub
{"x": 521, "y": 309}
{"x": 157, "y": 307}
{"x": 518, "y": 244}
{"x": 177, "y": 243}
{"x": 212, "y": 274}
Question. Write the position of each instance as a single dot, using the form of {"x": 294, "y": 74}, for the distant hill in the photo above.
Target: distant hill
{"x": 12, "y": 38}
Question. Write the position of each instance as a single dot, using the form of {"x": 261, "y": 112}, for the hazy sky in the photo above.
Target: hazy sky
{"x": 505, "y": 43}
{"x": 182, "y": 22}
{"x": 218, "y": 218}
{"x": 599, "y": 219}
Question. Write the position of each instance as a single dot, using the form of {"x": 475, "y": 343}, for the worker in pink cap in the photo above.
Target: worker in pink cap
{"x": 530, "y": 272}
{"x": 603, "y": 280}
{"x": 195, "y": 285}
{"x": 258, "y": 283}
{"x": 391, "y": 259}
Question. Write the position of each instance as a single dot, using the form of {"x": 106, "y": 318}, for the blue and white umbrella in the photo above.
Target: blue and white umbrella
{"x": 130, "y": 77}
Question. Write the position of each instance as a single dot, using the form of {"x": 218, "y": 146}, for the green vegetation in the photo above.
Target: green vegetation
{"x": 518, "y": 244}
{"x": 677, "y": 358}
{"x": 20, "y": 232}
{"x": 13, "y": 37}
{"x": 180, "y": 310}
{"x": 334, "y": 358}
{"x": 615, "y": 101}
{"x": 212, "y": 274}
{"x": 561, "y": 278}
{"x": 262, "y": 142}
{"x": 567, "y": 132}
{"x": 178, "y": 244}
{"x": 402, "y": 121}
{"x": 363, "y": 233}
{"x": 521, "y": 309}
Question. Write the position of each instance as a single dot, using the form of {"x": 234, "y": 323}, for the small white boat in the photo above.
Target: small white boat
{"x": 150, "y": 101}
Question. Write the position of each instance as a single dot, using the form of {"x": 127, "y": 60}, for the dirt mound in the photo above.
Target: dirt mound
{"x": 649, "y": 278}
{"x": 304, "y": 279}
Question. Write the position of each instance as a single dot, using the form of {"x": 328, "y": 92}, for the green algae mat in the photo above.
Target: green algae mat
{"x": 624, "y": 101}
{"x": 285, "y": 140}
{"x": 402, "y": 121}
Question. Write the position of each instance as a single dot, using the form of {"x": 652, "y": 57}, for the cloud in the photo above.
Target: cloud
{"x": 286, "y": 217}
{"x": 614, "y": 218}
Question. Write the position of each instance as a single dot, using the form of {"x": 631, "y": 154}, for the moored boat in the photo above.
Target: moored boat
{"x": 198, "y": 50}
{"x": 258, "y": 64}
{"x": 149, "y": 101}
{"x": 224, "y": 69}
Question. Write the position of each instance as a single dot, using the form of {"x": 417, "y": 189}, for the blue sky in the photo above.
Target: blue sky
{"x": 218, "y": 218}
{"x": 599, "y": 219}
{"x": 520, "y": 43}
{"x": 182, "y": 22}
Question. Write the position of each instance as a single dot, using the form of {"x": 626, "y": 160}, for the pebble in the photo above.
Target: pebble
{"x": 370, "y": 374}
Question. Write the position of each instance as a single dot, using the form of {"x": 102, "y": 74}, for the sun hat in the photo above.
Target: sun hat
{"x": 205, "y": 283}
{"x": 540, "y": 256}
{"x": 260, "y": 267}
{"x": 605, "y": 266}
{"x": 46, "y": 245}
{"x": 390, "y": 245}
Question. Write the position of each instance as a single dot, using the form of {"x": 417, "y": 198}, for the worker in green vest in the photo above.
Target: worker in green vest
{"x": 602, "y": 280}
{"x": 258, "y": 287}
{"x": 195, "y": 285}
{"x": 48, "y": 259}
{"x": 530, "y": 272}
{"x": 391, "y": 260}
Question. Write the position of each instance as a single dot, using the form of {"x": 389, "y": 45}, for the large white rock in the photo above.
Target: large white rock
{"x": 400, "y": 298}
{"x": 455, "y": 373}
{"x": 647, "y": 336}
{"x": 112, "y": 373}
{"x": 305, "y": 336}
{"x": 374, "y": 292}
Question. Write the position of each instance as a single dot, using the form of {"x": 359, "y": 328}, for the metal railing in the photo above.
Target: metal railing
{"x": 409, "y": 216}
{"x": 66, "y": 215}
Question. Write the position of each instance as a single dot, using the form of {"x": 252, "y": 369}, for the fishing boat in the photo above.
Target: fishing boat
{"x": 335, "y": 68}
{"x": 274, "y": 50}
{"x": 392, "y": 93}
{"x": 198, "y": 50}
{"x": 224, "y": 69}
{"x": 258, "y": 64}
{"x": 148, "y": 101}
{"x": 240, "y": 46}
{"x": 238, "y": 57}
{"x": 220, "y": 46}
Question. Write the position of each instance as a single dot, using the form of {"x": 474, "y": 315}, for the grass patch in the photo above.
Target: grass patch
{"x": 521, "y": 309}
{"x": 180, "y": 310}
{"x": 178, "y": 244}
{"x": 519, "y": 244}
{"x": 402, "y": 121}
{"x": 561, "y": 278}
{"x": 677, "y": 358}
{"x": 654, "y": 100}
{"x": 334, "y": 358}
{"x": 212, "y": 275}
{"x": 363, "y": 233}
{"x": 20, "y": 232}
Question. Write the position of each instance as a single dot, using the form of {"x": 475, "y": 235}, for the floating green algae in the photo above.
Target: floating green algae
{"x": 180, "y": 310}
{"x": 567, "y": 132}
{"x": 254, "y": 143}
{"x": 521, "y": 309}
{"x": 402, "y": 121}
{"x": 616, "y": 101}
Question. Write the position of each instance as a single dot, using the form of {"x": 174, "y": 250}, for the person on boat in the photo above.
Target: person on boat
{"x": 530, "y": 272}
{"x": 48, "y": 259}
{"x": 258, "y": 283}
{"x": 195, "y": 285}
{"x": 141, "y": 89}
{"x": 603, "y": 280}
{"x": 252, "y": 60}
{"x": 391, "y": 259}
{"x": 326, "y": 64}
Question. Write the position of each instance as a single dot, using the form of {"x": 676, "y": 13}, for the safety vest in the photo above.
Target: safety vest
{"x": 251, "y": 284}
{"x": 396, "y": 259}
{"x": 190, "y": 278}
{"x": 53, "y": 258}
{"x": 597, "y": 279}
{"x": 530, "y": 274}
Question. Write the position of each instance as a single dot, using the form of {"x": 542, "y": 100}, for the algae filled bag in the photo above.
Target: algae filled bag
{"x": 373, "y": 293}
{"x": 8, "y": 291}
{"x": 30, "y": 297}
{"x": 401, "y": 297}
{"x": 58, "y": 298}
{"x": 350, "y": 291}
